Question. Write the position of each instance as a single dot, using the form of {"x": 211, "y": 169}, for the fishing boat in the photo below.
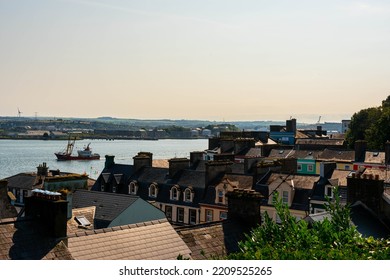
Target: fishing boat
{"x": 84, "y": 154}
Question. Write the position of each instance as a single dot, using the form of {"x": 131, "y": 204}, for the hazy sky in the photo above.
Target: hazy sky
{"x": 210, "y": 60}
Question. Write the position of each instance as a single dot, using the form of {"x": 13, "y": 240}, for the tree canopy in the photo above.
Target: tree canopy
{"x": 372, "y": 125}
{"x": 331, "y": 239}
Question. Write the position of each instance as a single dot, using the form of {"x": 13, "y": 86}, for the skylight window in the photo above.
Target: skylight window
{"x": 82, "y": 221}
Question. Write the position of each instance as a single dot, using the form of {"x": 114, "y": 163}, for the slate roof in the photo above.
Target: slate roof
{"x": 212, "y": 240}
{"x": 108, "y": 205}
{"x": 22, "y": 181}
{"x": 337, "y": 155}
{"x": 107, "y": 174}
{"x": 154, "y": 240}
{"x": 25, "y": 239}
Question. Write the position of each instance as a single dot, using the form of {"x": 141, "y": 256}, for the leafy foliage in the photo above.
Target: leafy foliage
{"x": 372, "y": 125}
{"x": 331, "y": 239}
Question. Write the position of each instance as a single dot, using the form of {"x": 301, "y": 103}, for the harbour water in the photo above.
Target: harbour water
{"x": 18, "y": 156}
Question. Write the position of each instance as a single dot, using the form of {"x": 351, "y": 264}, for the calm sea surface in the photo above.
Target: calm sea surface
{"x": 25, "y": 155}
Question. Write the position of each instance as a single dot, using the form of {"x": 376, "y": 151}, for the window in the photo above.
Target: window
{"x": 82, "y": 221}
{"x": 299, "y": 167}
{"x": 222, "y": 215}
{"x": 188, "y": 195}
{"x": 192, "y": 216}
{"x": 310, "y": 167}
{"x": 168, "y": 212}
{"x": 180, "y": 215}
{"x": 114, "y": 189}
{"x": 285, "y": 197}
{"x": 347, "y": 167}
{"x": 102, "y": 187}
{"x": 133, "y": 188}
{"x": 329, "y": 191}
{"x": 220, "y": 196}
{"x": 175, "y": 193}
{"x": 153, "y": 191}
{"x": 209, "y": 215}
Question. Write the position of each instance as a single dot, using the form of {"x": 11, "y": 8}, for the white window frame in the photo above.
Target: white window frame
{"x": 169, "y": 216}
{"x": 192, "y": 218}
{"x": 133, "y": 188}
{"x": 178, "y": 216}
{"x": 299, "y": 167}
{"x": 175, "y": 193}
{"x": 327, "y": 188}
{"x": 153, "y": 190}
{"x": 285, "y": 197}
{"x": 185, "y": 197}
{"x": 310, "y": 167}
{"x": 220, "y": 196}
{"x": 209, "y": 215}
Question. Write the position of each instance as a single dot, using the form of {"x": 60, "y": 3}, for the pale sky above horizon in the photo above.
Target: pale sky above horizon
{"x": 206, "y": 60}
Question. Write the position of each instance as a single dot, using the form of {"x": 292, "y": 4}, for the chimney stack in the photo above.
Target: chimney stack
{"x": 109, "y": 161}
{"x": 215, "y": 169}
{"x": 42, "y": 170}
{"x": 48, "y": 209}
{"x": 360, "y": 150}
{"x": 143, "y": 159}
{"x": 244, "y": 206}
{"x": 178, "y": 164}
{"x": 195, "y": 158}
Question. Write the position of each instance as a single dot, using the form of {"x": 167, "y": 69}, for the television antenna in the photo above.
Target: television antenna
{"x": 19, "y": 113}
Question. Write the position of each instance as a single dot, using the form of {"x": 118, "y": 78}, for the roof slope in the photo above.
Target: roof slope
{"x": 155, "y": 240}
{"x": 26, "y": 240}
{"x": 212, "y": 239}
{"x": 108, "y": 205}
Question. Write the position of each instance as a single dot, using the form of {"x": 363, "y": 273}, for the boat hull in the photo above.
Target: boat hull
{"x": 70, "y": 157}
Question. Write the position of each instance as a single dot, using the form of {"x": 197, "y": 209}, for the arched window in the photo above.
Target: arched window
{"x": 153, "y": 190}
{"x": 175, "y": 193}
{"x": 133, "y": 188}
{"x": 188, "y": 195}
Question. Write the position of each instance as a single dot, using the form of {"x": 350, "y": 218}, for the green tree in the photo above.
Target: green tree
{"x": 372, "y": 125}
{"x": 331, "y": 239}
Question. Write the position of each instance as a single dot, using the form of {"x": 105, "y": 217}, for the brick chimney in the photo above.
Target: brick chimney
{"x": 142, "y": 159}
{"x": 215, "y": 169}
{"x": 326, "y": 168}
{"x": 367, "y": 189}
{"x": 178, "y": 164}
{"x": 109, "y": 161}
{"x": 243, "y": 144}
{"x": 244, "y": 206}
{"x": 196, "y": 157}
{"x": 48, "y": 209}
{"x": 360, "y": 150}
{"x": 42, "y": 170}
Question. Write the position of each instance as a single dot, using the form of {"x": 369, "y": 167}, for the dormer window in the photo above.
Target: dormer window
{"x": 133, "y": 188}
{"x": 175, "y": 193}
{"x": 220, "y": 196}
{"x": 188, "y": 195}
{"x": 329, "y": 191}
{"x": 153, "y": 190}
